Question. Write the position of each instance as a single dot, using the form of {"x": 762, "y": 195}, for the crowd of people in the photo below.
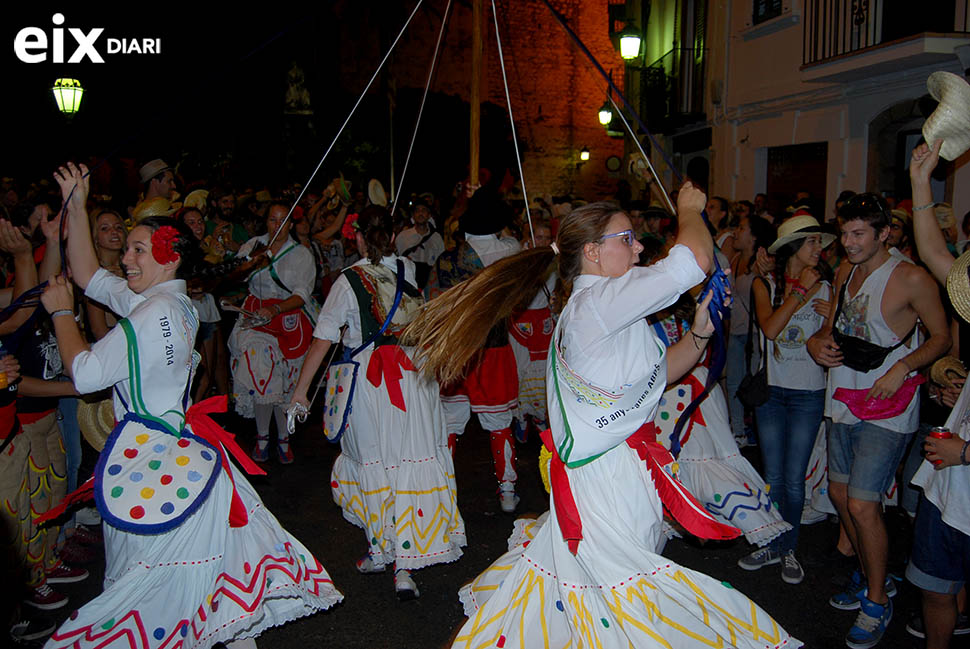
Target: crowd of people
{"x": 592, "y": 325}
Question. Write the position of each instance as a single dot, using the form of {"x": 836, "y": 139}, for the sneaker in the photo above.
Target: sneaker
{"x": 88, "y": 535}
{"x": 508, "y": 501}
{"x": 78, "y": 554}
{"x": 915, "y": 626}
{"x": 791, "y": 570}
{"x": 870, "y": 624}
{"x": 366, "y": 566}
{"x": 65, "y": 574}
{"x": 741, "y": 441}
{"x": 27, "y": 630}
{"x": 261, "y": 455}
{"x": 285, "y": 457}
{"x": 759, "y": 559}
{"x": 848, "y": 600}
{"x": 404, "y": 586}
{"x": 45, "y": 598}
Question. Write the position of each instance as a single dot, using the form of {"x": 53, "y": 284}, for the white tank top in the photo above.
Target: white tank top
{"x": 862, "y": 317}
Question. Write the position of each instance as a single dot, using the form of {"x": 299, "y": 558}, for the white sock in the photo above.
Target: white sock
{"x": 264, "y": 413}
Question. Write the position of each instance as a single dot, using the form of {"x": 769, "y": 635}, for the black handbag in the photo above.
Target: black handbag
{"x": 753, "y": 389}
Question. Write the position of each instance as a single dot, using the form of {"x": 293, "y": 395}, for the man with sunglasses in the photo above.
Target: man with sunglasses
{"x": 872, "y": 350}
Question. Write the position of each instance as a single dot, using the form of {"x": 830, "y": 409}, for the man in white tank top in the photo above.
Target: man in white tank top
{"x": 882, "y": 301}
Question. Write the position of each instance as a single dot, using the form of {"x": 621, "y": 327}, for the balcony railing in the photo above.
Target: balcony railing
{"x": 834, "y": 28}
{"x": 672, "y": 89}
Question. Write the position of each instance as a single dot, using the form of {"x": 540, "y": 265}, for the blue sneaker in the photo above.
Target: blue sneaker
{"x": 848, "y": 600}
{"x": 870, "y": 624}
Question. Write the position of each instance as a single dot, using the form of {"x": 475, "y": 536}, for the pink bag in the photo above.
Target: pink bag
{"x": 867, "y": 409}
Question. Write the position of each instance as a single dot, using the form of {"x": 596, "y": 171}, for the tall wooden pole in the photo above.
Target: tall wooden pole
{"x": 475, "y": 101}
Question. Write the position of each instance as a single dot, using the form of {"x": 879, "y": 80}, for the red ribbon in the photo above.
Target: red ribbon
{"x": 677, "y": 501}
{"x": 202, "y": 425}
{"x": 388, "y": 361}
{"x": 81, "y": 494}
{"x": 567, "y": 514}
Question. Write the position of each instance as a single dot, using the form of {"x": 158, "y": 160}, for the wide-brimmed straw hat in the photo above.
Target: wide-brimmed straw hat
{"x": 157, "y": 206}
{"x": 950, "y": 121}
{"x": 375, "y": 192}
{"x": 958, "y": 285}
{"x": 799, "y": 227}
{"x": 96, "y": 420}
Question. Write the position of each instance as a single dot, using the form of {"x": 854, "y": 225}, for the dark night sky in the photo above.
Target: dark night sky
{"x": 216, "y": 88}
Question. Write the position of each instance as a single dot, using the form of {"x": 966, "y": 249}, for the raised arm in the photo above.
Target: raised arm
{"x": 80, "y": 249}
{"x": 692, "y": 231}
{"x": 929, "y": 238}
{"x": 25, "y": 272}
{"x": 683, "y": 355}
{"x": 58, "y": 299}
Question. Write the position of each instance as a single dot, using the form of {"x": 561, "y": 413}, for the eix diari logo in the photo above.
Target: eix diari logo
{"x": 31, "y": 45}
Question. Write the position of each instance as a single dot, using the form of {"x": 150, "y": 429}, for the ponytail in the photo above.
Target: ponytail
{"x": 452, "y": 328}
{"x": 449, "y": 330}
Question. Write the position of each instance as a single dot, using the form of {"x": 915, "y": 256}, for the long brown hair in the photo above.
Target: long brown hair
{"x": 452, "y": 328}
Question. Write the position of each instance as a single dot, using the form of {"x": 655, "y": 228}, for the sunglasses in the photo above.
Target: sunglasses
{"x": 627, "y": 235}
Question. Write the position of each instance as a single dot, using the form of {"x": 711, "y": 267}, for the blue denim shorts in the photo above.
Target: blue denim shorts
{"x": 865, "y": 457}
{"x": 941, "y": 554}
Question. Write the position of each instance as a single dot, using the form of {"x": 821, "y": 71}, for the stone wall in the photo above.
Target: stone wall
{"x": 555, "y": 90}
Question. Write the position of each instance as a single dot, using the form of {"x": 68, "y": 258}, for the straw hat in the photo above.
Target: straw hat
{"x": 950, "y": 121}
{"x": 96, "y": 420}
{"x": 799, "y": 227}
{"x": 151, "y": 169}
{"x": 958, "y": 285}
{"x": 902, "y": 216}
{"x": 157, "y": 206}
{"x": 196, "y": 199}
{"x": 375, "y": 192}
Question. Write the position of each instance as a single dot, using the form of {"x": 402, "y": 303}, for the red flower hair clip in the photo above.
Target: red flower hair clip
{"x": 163, "y": 244}
{"x": 351, "y": 227}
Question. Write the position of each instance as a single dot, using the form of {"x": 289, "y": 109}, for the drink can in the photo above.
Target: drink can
{"x": 939, "y": 432}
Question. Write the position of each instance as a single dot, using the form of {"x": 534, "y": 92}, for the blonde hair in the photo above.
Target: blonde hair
{"x": 451, "y": 329}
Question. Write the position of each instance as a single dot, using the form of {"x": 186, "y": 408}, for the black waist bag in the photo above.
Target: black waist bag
{"x": 859, "y": 354}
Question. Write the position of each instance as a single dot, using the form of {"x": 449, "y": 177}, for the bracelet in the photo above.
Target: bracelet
{"x": 699, "y": 337}
{"x": 62, "y": 312}
{"x": 905, "y": 364}
{"x": 963, "y": 454}
{"x": 924, "y": 207}
{"x": 277, "y": 307}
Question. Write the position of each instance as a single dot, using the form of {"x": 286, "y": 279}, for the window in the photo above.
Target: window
{"x": 765, "y": 10}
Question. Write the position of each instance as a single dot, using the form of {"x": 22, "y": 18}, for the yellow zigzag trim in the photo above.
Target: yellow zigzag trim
{"x": 520, "y": 600}
{"x": 442, "y": 516}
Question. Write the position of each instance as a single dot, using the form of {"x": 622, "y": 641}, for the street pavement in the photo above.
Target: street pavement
{"x": 371, "y": 616}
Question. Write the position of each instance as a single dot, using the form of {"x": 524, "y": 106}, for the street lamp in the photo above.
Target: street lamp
{"x": 67, "y": 94}
{"x": 629, "y": 43}
{"x": 606, "y": 113}
{"x": 584, "y": 154}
